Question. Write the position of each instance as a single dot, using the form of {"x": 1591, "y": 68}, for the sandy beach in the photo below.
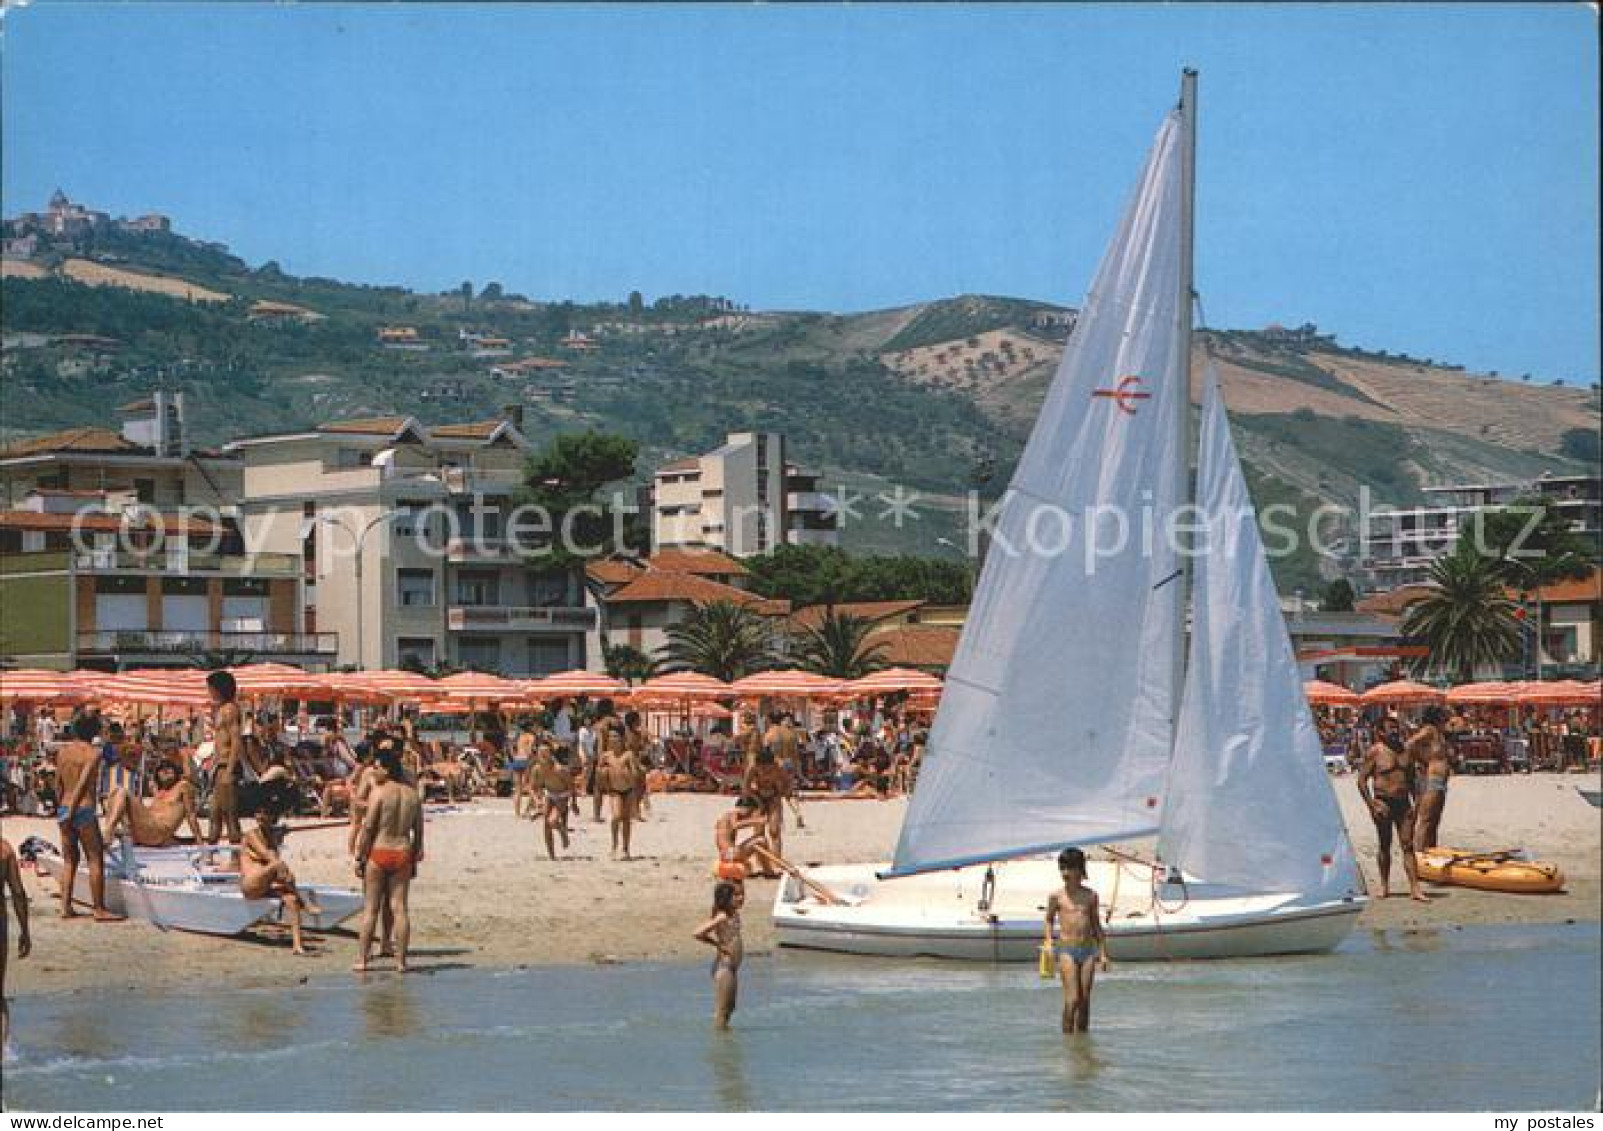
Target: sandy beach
{"x": 487, "y": 897}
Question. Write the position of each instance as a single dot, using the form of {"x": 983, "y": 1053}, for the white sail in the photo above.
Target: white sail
{"x": 1057, "y": 719}
{"x": 1249, "y": 802}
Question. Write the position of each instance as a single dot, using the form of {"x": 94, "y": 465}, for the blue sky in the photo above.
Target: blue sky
{"x": 1413, "y": 178}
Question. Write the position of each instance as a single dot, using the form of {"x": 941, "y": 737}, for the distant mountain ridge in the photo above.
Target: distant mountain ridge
{"x": 938, "y": 396}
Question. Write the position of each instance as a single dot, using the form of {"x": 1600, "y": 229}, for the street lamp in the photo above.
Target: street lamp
{"x": 358, "y": 541}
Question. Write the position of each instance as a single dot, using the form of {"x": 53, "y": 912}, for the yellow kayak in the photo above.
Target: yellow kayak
{"x": 1489, "y": 871}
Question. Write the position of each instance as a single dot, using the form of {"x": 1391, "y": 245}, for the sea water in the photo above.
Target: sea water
{"x": 1483, "y": 1018}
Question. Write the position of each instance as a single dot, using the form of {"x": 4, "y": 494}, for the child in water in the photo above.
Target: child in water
{"x": 1079, "y": 946}
{"x": 722, "y": 932}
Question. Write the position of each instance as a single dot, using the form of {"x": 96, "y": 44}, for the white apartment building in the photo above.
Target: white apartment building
{"x": 1401, "y": 544}
{"x": 742, "y": 498}
{"x": 408, "y": 555}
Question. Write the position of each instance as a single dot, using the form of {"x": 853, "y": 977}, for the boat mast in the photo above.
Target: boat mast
{"x": 1182, "y": 421}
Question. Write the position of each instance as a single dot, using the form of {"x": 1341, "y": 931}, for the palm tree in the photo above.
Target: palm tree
{"x": 624, "y": 661}
{"x": 720, "y": 639}
{"x": 1467, "y": 621}
{"x": 838, "y": 647}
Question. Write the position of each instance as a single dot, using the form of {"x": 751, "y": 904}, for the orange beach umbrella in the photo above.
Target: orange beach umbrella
{"x": 1322, "y": 693}
{"x": 40, "y": 686}
{"x": 1403, "y": 693}
{"x": 890, "y": 682}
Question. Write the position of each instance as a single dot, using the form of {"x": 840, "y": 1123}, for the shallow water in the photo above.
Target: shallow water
{"x": 1470, "y": 1019}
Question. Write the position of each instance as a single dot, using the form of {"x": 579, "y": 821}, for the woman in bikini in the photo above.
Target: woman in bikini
{"x": 722, "y": 933}
{"x": 263, "y": 873}
{"x": 155, "y": 823}
{"x": 1075, "y": 938}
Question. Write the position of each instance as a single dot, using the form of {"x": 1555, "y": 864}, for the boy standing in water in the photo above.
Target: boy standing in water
{"x": 722, "y": 932}
{"x": 1079, "y": 946}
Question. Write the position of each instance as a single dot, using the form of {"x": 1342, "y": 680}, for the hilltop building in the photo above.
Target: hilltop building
{"x": 65, "y": 220}
{"x": 742, "y": 498}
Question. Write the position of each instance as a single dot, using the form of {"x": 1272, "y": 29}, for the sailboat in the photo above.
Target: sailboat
{"x": 1075, "y": 712}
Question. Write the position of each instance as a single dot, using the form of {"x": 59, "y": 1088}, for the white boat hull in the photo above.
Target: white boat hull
{"x": 172, "y": 893}
{"x": 939, "y": 915}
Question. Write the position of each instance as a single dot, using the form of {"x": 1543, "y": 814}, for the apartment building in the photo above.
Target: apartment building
{"x": 122, "y": 549}
{"x": 408, "y": 556}
{"x": 742, "y": 498}
{"x": 1401, "y": 544}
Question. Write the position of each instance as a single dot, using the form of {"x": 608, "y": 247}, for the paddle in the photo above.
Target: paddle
{"x": 813, "y": 886}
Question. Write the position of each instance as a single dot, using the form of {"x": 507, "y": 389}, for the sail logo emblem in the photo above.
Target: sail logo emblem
{"x": 1127, "y": 390}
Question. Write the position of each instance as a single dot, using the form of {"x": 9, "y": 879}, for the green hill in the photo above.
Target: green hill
{"x": 936, "y": 396}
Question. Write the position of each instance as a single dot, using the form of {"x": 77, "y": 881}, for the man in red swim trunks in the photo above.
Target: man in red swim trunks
{"x": 388, "y": 852}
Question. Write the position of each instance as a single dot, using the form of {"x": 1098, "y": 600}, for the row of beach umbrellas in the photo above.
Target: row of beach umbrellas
{"x": 185, "y": 688}
{"x": 1407, "y": 693}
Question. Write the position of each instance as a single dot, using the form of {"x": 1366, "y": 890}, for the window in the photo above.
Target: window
{"x": 145, "y": 490}
{"x": 417, "y": 650}
{"x": 482, "y": 653}
{"x": 415, "y": 587}
{"x": 409, "y": 519}
{"x": 352, "y": 457}
{"x": 548, "y": 589}
{"x": 548, "y": 655}
{"x": 478, "y": 589}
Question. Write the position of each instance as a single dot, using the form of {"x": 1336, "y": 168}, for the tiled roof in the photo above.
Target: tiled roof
{"x": 1571, "y": 592}
{"x": 613, "y": 572}
{"x": 100, "y": 522}
{"x": 1392, "y": 603}
{"x": 813, "y": 615}
{"x": 138, "y": 406}
{"x": 71, "y": 440}
{"x": 668, "y": 585}
{"x": 367, "y": 426}
{"x": 690, "y": 463}
{"x": 709, "y": 563}
{"x": 916, "y": 645}
{"x": 479, "y": 430}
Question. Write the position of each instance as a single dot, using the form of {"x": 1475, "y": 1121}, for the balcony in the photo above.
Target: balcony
{"x": 222, "y": 565}
{"x": 462, "y": 481}
{"x": 516, "y": 618}
{"x": 486, "y": 550}
{"x": 815, "y": 501}
{"x": 182, "y": 642}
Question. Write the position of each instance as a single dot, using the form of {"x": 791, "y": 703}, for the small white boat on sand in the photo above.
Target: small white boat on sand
{"x": 1077, "y": 711}
{"x": 195, "y": 888}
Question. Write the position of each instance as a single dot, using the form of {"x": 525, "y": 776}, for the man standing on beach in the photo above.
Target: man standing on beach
{"x": 77, "y": 775}
{"x": 11, "y": 883}
{"x": 1386, "y": 783}
{"x": 388, "y": 853}
{"x": 226, "y": 737}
